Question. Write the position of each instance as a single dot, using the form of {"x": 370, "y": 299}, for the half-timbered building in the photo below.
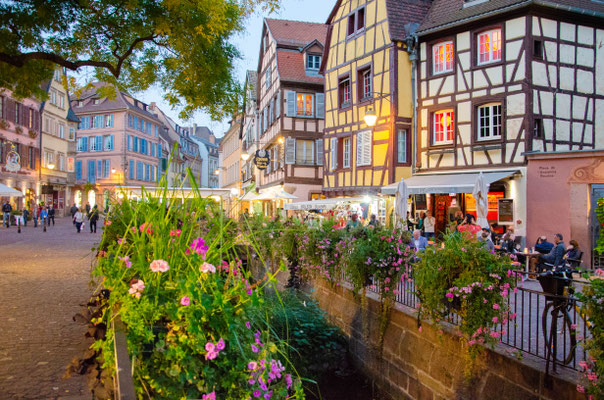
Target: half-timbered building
{"x": 291, "y": 108}
{"x": 498, "y": 79}
{"x": 368, "y": 71}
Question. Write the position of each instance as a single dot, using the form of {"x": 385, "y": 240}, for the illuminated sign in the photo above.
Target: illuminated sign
{"x": 262, "y": 159}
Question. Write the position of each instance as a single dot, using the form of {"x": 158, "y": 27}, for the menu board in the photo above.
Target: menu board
{"x": 506, "y": 211}
{"x": 421, "y": 202}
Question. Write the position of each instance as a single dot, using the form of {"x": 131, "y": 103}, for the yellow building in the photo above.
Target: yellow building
{"x": 368, "y": 72}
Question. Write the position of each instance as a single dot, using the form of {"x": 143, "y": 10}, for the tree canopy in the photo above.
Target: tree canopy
{"x": 181, "y": 45}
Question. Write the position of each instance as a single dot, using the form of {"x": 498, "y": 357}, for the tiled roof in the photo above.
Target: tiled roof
{"x": 296, "y": 33}
{"x": 291, "y": 68}
{"x": 448, "y": 13}
{"x": 404, "y": 16}
{"x": 71, "y": 116}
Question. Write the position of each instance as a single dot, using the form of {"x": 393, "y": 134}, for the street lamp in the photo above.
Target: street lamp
{"x": 245, "y": 156}
{"x": 113, "y": 170}
{"x": 217, "y": 172}
{"x": 371, "y": 116}
{"x": 280, "y": 140}
{"x": 50, "y": 166}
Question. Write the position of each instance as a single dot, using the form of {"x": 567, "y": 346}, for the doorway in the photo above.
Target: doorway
{"x": 597, "y": 192}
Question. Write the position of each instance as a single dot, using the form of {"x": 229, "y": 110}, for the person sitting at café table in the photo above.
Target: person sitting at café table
{"x": 508, "y": 242}
{"x": 555, "y": 257}
{"x": 543, "y": 246}
{"x": 419, "y": 242}
{"x": 469, "y": 225}
{"x": 485, "y": 238}
{"x": 572, "y": 251}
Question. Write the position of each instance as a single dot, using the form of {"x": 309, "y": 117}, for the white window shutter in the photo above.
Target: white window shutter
{"x": 367, "y": 147}
{"x": 290, "y": 150}
{"x": 291, "y": 103}
{"x": 320, "y": 152}
{"x": 272, "y": 112}
{"x": 278, "y": 105}
{"x": 334, "y": 153}
{"x": 320, "y": 106}
{"x": 359, "y": 147}
{"x": 264, "y": 120}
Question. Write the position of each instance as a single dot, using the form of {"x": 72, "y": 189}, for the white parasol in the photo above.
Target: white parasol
{"x": 480, "y": 193}
{"x": 6, "y": 191}
{"x": 401, "y": 204}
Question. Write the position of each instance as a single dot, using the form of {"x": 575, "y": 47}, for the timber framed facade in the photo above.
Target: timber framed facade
{"x": 291, "y": 102}
{"x": 367, "y": 67}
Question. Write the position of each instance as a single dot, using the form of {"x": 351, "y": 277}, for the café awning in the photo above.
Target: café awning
{"x": 446, "y": 183}
{"x": 275, "y": 194}
{"x": 322, "y": 204}
{"x": 6, "y": 191}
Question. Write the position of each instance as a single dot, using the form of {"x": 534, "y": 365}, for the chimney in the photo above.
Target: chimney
{"x": 194, "y": 128}
{"x": 152, "y": 105}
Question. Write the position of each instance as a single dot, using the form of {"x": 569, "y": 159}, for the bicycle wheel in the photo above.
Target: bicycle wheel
{"x": 565, "y": 340}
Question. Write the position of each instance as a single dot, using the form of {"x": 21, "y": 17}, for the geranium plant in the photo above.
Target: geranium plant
{"x": 467, "y": 279}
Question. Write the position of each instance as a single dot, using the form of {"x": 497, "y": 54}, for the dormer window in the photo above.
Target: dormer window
{"x": 356, "y": 21}
{"x": 96, "y": 101}
{"x": 80, "y": 103}
{"x": 313, "y": 62}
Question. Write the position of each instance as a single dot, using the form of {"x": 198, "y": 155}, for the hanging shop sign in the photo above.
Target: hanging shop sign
{"x": 262, "y": 159}
{"x": 13, "y": 161}
{"x": 506, "y": 211}
{"x": 47, "y": 189}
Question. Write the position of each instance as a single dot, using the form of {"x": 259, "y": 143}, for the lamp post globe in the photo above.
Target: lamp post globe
{"x": 370, "y": 117}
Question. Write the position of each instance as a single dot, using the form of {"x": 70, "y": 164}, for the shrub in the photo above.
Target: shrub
{"x": 466, "y": 278}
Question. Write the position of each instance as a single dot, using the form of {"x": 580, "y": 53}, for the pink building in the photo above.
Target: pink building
{"x": 117, "y": 145}
{"x": 562, "y": 191}
{"x": 20, "y": 147}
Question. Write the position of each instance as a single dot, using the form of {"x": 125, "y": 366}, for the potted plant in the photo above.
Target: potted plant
{"x": 18, "y": 130}
{"x": 32, "y": 134}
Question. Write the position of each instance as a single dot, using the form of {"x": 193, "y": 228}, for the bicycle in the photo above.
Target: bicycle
{"x": 557, "y": 284}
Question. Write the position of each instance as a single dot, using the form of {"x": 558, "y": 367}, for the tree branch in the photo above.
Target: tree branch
{"x": 19, "y": 60}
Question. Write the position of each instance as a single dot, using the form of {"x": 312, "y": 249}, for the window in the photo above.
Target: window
{"x": 108, "y": 143}
{"x": 96, "y": 101}
{"x": 305, "y": 152}
{"x": 129, "y": 144}
{"x": 61, "y": 100}
{"x": 489, "y": 121}
{"x": 61, "y": 132}
{"x": 30, "y": 124}
{"x": 99, "y": 168}
{"x": 401, "y": 148}
{"x": 72, "y": 134}
{"x": 267, "y": 77}
{"x": 61, "y": 162}
{"x": 18, "y": 107}
{"x": 82, "y": 144}
{"x": 489, "y": 46}
{"x": 364, "y": 84}
{"x": 442, "y": 57}
{"x": 364, "y": 148}
{"x": 1, "y": 107}
{"x": 57, "y": 75}
{"x": 313, "y": 62}
{"x": 334, "y": 154}
{"x": 31, "y": 152}
{"x": 106, "y": 168}
{"x": 96, "y": 143}
{"x": 148, "y": 125}
{"x": 538, "y": 128}
{"x": 159, "y": 150}
{"x": 356, "y": 21}
{"x": 136, "y": 144}
{"x": 109, "y": 121}
{"x": 139, "y": 170}
{"x": 442, "y": 127}
{"x": 130, "y": 123}
{"x": 346, "y": 152}
{"x": 304, "y": 104}
{"x": 538, "y": 49}
{"x": 344, "y": 92}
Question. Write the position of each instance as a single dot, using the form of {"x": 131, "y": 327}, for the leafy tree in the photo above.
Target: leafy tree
{"x": 183, "y": 46}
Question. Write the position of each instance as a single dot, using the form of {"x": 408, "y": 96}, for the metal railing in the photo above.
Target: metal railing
{"x": 525, "y": 333}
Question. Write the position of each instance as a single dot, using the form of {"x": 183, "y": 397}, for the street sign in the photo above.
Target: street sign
{"x": 262, "y": 159}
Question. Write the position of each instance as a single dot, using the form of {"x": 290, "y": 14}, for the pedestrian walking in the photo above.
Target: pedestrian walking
{"x": 6, "y": 210}
{"x": 25, "y": 214}
{"x": 78, "y": 218}
{"x": 51, "y": 215}
{"x": 87, "y": 208}
{"x": 93, "y": 217}
{"x": 72, "y": 211}
{"x": 35, "y": 214}
{"x": 43, "y": 215}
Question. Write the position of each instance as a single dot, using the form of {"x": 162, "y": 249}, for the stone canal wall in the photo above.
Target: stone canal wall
{"x": 428, "y": 365}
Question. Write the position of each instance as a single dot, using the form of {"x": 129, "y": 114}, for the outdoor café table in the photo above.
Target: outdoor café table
{"x": 528, "y": 262}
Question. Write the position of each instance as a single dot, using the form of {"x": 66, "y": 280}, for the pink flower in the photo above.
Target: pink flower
{"x": 288, "y": 380}
{"x": 185, "y": 301}
{"x": 495, "y": 306}
{"x": 573, "y": 327}
{"x": 254, "y": 349}
{"x": 108, "y": 222}
{"x": 495, "y": 320}
{"x": 252, "y": 365}
{"x": 102, "y": 253}
{"x": 220, "y": 345}
{"x": 495, "y": 334}
{"x": 136, "y": 287}
{"x": 449, "y": 295}
{"x": 207, "y": 267}
{"x": 126, "y": 260}
{"x": 210, "y": 346}
{"x": 209, "y": 396}
{"x": 159, "y": 266}
{"x": 248, "y": 325}
{"x": 199, "y": 246}
{"x": 580, "y": 389}
{"x": 121, "y": 240}
{"x": 600, "y": 272}
{"x": 419, "y": 329}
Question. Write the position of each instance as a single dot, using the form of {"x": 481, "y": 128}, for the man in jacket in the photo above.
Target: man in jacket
{"x": 555, "y": 257}
{"x": 6, "y": 209}
{"x": 419, "y": 242}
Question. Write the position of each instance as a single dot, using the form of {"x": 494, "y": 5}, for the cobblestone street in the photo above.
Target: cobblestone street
{"x": 44, "y": 281}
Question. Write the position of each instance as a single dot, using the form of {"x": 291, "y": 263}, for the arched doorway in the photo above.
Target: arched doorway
{"x": 91, "y": 198}
{"x": 77, "y": 198}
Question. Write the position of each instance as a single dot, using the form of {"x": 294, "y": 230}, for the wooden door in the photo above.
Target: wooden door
{"x": 441, "y": 210}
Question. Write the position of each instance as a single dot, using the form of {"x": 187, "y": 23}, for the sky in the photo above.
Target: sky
{"x": 248, "y": 43}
